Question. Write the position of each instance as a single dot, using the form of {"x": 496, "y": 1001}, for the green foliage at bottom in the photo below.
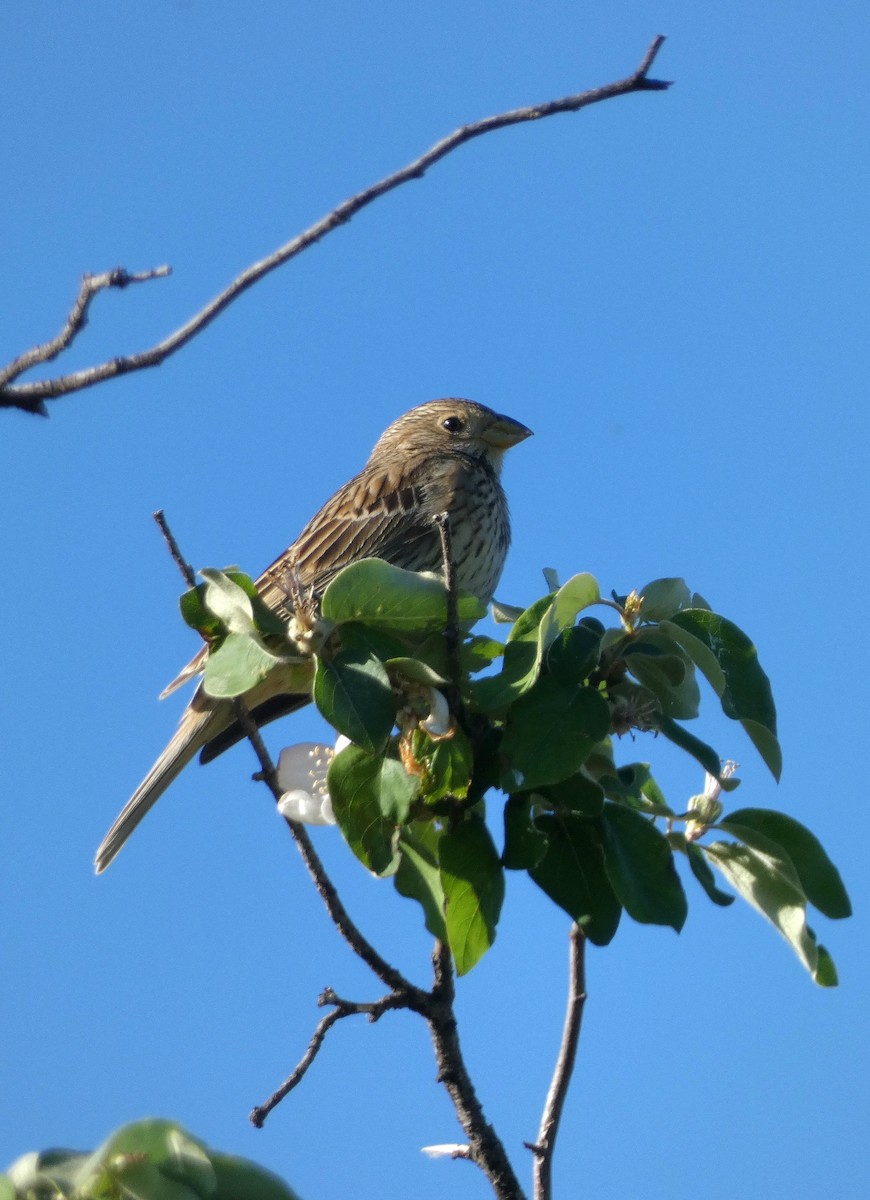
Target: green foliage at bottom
{"x": 148, "y": 1160}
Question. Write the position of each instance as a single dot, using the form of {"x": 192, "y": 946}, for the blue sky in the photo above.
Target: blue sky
{"x": 672, "y": 291}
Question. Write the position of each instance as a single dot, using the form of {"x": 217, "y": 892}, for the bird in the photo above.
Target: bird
{"x": 443, "y": 456}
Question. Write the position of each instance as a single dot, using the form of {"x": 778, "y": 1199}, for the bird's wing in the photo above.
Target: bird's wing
{"x": 380, "y": 513}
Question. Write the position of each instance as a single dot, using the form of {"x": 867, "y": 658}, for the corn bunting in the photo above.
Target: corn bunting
{"x": 441, "y": 457}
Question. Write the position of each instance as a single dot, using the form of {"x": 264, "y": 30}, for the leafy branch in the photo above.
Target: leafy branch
{"x": 30, "y": 397}
{"x": 536, "y": 717}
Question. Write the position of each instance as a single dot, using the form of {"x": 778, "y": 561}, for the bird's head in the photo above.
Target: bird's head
{"x": 452, "y": 425}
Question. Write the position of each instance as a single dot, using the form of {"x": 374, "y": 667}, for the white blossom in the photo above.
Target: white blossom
{"x": 302, "y": 778}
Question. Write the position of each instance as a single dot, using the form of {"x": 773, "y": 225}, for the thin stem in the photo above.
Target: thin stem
{"x": 451, "y": 628}
{"x": 545, "y": 1146}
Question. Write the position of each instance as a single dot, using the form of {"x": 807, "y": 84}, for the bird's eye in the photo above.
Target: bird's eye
{"x": 453, "y": 424}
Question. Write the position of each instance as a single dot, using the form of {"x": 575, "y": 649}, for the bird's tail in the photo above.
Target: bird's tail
{"x": 196, "y": 729}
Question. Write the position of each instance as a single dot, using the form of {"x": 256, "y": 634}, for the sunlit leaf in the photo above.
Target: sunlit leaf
{"x": 371, "y": 796}
{"x": 662, "y": 598}
{"x": 818, "y": 876}
{"x": 379, "y": 594}
{"x": 418, "y": 876}
{"x": 353, "y": 692}
{"x": 761, "y": 872}
{"x": 240, "y": 662}
{"x": 473, "y": 884}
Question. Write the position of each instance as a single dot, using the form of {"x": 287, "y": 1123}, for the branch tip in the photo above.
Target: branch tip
{"x": 28, "y": 395}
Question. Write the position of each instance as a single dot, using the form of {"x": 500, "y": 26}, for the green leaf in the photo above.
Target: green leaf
{"x": 578, "y": 794}
{"x": 572, "y": 874}
{"x": 522, "y": 660}
{"x": 353, "y": 692}
{"x": 416, "y": 671}
{"x": 761, "y": 872}
{"x": 419, "y": 877}
{"x": 729, "y": 660}
{"x": 479, "y": 652}
{"x": 379, "y": 594}
{"x": 704, "y": 754}
{"x": 704, "y": 875}
{"x": 447, "y": 764}
{"x": 147, "y": 1160}
{"x": 640, "y": 866}
{"x": 505, "y": 614}
{"x": 473, "y": 884}
{"x": 662, "y": 598}
{"x": 371, "y": 796}
{"x": 633, "y": 784}
{"x": 228, "y": 601}
{"x": 826, "y": 972}
{"x": 238, "y": 664}
{"x": 661, "y": 665}
{"x": 550, "y": 731}
{"x": 534, "y": 632}
{"x": 197, "y": 616}
{"x": 240, "y": 1179}
{"x": 819, "y": 878}
{"x": 573, "y": 654}
{"x": 572, "y": 597}
{"x": 524, "y": 844}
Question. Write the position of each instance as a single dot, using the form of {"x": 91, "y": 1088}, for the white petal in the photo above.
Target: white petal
{"x": 304, "y": 767}
{"x": 299, "y": 806}
{"x": 438, "y": 722}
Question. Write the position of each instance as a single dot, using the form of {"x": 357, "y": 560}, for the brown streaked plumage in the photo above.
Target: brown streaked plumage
{"x": 443, "y": 456}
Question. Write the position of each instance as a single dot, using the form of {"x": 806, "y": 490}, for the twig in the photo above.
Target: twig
{"x": 388, "y": 974}
{"x": 451, "y": 628}
{"x": 545, "y": 1146}
{"x": 29, "y": 396}
{"x": 177, "y": 557}
{"x": 342, "y": 1008}
{"x": 361, "y": 946}
{"x": 259, "y": 1113}
{"x": 76, "y": 320}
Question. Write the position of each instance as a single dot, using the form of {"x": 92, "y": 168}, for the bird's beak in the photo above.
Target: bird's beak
{"x": 504, "y": 432}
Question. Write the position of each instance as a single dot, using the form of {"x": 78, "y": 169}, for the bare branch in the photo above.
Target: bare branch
{"x": 75, "y": 323}
{"x": 30, "y": 396}
{"x": 485, "y": 1147}
{"x": 261, "y": 1111}
{"x": 545, "y": 1146}
{"x": 177, "y": 557}
{"x": 342, "y": 1008}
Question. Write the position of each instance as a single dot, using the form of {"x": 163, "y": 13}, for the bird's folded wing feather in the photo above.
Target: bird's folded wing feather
{"x": 381, "y": 513}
